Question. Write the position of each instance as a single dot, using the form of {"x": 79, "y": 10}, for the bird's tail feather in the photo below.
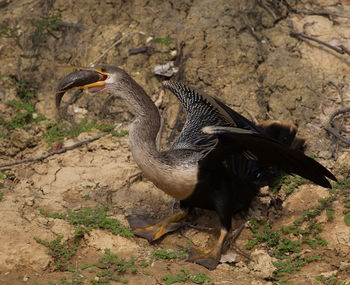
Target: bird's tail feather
{"x": 284, "y": 132}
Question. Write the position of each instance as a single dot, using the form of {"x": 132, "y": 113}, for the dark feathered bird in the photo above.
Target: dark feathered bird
{"x": 219, "y": 161}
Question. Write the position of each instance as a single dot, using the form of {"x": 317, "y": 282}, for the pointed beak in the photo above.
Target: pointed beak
{"x": 84, "y": 78}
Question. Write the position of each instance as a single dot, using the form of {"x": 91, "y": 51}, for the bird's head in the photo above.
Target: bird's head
{"x": 103, "y": 77}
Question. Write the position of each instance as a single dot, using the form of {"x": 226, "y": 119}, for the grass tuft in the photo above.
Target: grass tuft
{"x": 187, "y": 277}
{"x": 169, "y": 254}
{"x": 62, "y": 252}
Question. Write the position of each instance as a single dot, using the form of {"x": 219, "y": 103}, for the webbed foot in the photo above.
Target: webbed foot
{"x": 207, "y": 258}
{"x": 151, "y": 230}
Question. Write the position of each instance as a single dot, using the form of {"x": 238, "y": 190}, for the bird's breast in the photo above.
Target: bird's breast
{"x": 177, "y": 182}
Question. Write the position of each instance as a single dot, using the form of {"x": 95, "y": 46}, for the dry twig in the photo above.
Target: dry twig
{"x": 61, "y": 150}
{"x": 327, "y": 14}
{"x": 339, "y": 49}
{"x": 334, "y": 131}
{"x": 268, "y": 9}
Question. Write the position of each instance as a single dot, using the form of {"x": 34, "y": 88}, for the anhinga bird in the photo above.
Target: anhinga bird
{"x": 219, "y": 162}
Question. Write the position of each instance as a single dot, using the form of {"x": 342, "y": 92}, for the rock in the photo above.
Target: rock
{"x": 228, "y": 257}
{"x": 167, "y": 70}
{"x": 261, "y": 264}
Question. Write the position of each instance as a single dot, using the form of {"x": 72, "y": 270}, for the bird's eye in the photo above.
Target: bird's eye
{"x": 103, "y": 69}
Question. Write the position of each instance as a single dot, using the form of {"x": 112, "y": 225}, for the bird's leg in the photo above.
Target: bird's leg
{"x": 209, "y": 258}
{"x": 154, "y": 231}
{"x": 230, "y": 240}
{"x": 222, "y": 204}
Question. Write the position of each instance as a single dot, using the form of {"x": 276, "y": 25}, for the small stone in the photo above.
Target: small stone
{"x": 229, "y": 257}
{"x": 173, "y": 53}
{"x": 261, "y": 264}
{"x": 56, "y": 146}
{"x": 25, "y": 278}
{"x": 167, "y": 70}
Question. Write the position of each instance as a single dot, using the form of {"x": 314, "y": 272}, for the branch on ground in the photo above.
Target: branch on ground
{"x": 339, "y": 49}
{"x": 332, "y": 129}
{"x": 61, "y": 150}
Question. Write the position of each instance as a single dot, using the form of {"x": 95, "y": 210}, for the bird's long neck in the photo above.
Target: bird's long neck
{"x": 145, "y": 127}
{"x": 163, "y": 170}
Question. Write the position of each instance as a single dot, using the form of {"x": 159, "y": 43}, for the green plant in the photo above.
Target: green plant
{"x": 46, "y": 214}
{"x": 306, "y": 230}
{"x": 23, "y": 107}
{"x": 113, "y": 268}
{"x": 293, "y": 265}
{"x": 87, "y": 219}
{"x": 347, "y": 219}
{"x": 342, "y": 184}
{"x": 289, "y": 184}
{"x": 25, "y": 88}
{"x": 105, "y": 128}
{"x": 331, "y": 280}
{"x": 169, "y": 254}
{"x": 188, "y": 277}
{"x": 6, "y": 31}
{"x": 268, "y": 235}
{"x": 58, "y": 131}
{"x": 23, "y": 117}
{"x": 120, "y": 133}
{"x": 43, "y": 27}
{"x": 164, "y": 41}
{"x": 84, "y": 220}
{"x": 61, "y": 251}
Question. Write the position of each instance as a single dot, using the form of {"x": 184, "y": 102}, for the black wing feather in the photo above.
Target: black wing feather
{"x": 266, "y": 151}
{"x": 201, "y": 111}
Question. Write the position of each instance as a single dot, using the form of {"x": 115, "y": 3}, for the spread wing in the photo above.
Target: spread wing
{"x": 224, "y": 135}
{"x": 265, "y": 150}
{"x": 202, "y": 111}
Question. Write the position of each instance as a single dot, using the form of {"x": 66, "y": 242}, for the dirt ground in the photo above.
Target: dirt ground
{"x": 239, "y": 51}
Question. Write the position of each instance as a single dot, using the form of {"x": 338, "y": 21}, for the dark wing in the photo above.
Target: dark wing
{"x": 201, "y": 111}
{"x": 266, "y": 151}
{"x": 240, "y": 121}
